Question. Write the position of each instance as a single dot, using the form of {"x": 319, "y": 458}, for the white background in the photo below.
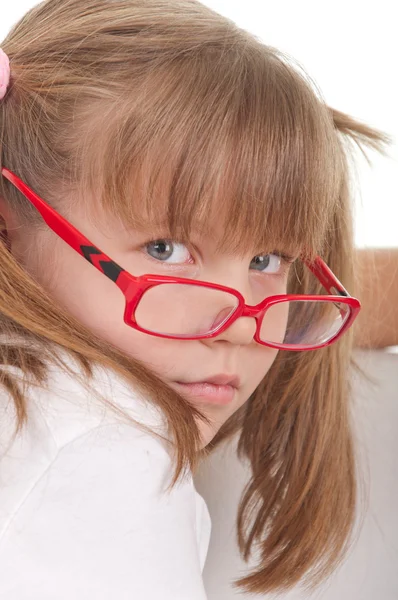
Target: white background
{"x": 350, "y": 49}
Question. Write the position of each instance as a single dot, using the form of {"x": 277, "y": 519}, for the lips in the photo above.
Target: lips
{"x": 222, "y": 379}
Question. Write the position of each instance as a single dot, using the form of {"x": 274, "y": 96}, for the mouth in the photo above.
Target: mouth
{"x": 222, "y": 379}
{"x": 219, "y": 389}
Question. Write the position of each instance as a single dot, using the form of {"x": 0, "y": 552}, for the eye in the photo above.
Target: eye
{"x": 272, "y": 264}
{"x": 168, "y": 251}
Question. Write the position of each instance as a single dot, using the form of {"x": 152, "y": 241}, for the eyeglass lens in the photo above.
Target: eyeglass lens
{"x": 184, "y": 310}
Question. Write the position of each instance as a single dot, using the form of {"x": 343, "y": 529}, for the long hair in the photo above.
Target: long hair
{"x": 167, "y": 104}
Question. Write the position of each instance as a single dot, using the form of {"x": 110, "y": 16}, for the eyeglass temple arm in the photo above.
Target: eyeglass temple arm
{"x": 68, "y": 232}
{"x": 105, "y": 264}
{"x": 327, "y": 278}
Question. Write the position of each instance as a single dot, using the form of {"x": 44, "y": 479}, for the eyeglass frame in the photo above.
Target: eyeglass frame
{"x": 133, "y": 288}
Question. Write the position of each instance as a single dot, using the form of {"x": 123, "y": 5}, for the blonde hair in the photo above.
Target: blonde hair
{"x": 169, "y": 102}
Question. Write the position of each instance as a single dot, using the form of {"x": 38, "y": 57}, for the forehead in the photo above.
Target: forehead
{"x": 261, "y": 170}
{"x": 227, "y": 220}
{"x": 209, "y": 236}
{"x": 220, "y": 224}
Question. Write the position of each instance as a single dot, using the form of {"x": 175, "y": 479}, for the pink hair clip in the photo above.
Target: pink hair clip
{"x": 4, "y": 73}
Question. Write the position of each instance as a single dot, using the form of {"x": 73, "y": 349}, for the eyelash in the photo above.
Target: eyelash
{"x": 287, "y": 260}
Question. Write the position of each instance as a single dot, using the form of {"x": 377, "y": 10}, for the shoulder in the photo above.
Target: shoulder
{"x": 68, "y": 404}
{"x": 83, "y": 501}
{"x": 100, "y": 522}
{"x": 72, "y": 404}
{"x": 65, "y": 421}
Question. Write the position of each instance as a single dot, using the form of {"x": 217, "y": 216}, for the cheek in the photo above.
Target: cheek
{"x": 82, "y": 290}
{"x": 275, "y": 323}
{"x": 98, "y": 304}
{"x": 258, "y": 365}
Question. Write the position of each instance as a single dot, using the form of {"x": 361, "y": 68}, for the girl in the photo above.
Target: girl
{"x": 177, "y": 267}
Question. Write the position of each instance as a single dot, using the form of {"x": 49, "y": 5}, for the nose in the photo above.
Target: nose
{"x": 241, "y": 332}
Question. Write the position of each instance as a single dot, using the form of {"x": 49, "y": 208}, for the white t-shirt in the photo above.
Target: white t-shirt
{"x": 83, "y": 508}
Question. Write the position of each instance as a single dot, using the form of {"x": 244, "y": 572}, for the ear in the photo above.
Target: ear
{"x": 4, "y": 233}
{"x": 4, "y": 210}
{"x": 9, "y": 223}
{"x": 8, "y": 216}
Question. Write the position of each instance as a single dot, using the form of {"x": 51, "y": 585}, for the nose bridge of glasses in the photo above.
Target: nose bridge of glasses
{"x": 252, "y": 311}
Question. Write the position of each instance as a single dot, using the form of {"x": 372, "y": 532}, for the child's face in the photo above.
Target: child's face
{"x": 97, "y": 302}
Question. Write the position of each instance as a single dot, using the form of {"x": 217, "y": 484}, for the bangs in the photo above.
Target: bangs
{"x": 239, "y": 140}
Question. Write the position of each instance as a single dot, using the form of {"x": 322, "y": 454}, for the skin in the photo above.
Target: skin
{"x": 89, "y": 295}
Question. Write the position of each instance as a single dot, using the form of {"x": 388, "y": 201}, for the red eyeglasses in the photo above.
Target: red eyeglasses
{"x": 180, "y": 308}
